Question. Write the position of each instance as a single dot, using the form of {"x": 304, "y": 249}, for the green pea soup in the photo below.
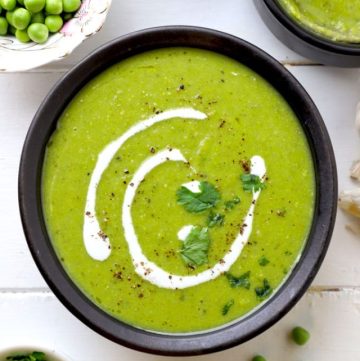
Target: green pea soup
{"x": 245, "y": 116}
{"x": 337, "y": 20}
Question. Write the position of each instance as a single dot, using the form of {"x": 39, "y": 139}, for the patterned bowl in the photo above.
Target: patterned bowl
{"x": 17, "y": 56}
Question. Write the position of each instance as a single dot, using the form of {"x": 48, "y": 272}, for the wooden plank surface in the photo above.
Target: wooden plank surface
{"x": 238, "y": 17}
{"x": 332, "y": 318}
{"x": 29, "y": 313}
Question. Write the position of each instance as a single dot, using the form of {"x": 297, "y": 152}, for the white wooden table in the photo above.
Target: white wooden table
{"x": 29, "y": 312}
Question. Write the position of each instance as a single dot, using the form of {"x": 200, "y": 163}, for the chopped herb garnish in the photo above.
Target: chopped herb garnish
{"x": 215, "y": 219}
{"x": 232, "y": 203}
{"x": 241, "y": 281}
{"x": 195, "y": 247}
{"x": 34, "y": 356}
{"x": 198, "y": 202}
{"x": 263, "y": 261}
{"x": 264, "y": 291}
{"x": 227, "y": 307}
{"x": 251, "y": 182}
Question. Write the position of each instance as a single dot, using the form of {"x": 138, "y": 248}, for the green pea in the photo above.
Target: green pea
{"x": 300, "y": 336}
{"x": 21, "y": 18}
{"x": 38, "y": 18}
{"x": 38, "y": 33}
{"x": 22, "y": 36}
{"x": 3, "y": 26}
{"x": 71, "y": 6}
{"x": 54, "y": 23}
{"x": 9, "y": 17}
{"x": 0, "y": 9}
{"x": 8, "y": 4}
{"x": 259, "y": 358}
{"x": 34, "y": 6}
{"x": 21, "y": 2}
{"x": 11, "y": 29}
{"x": 54, "y": 7}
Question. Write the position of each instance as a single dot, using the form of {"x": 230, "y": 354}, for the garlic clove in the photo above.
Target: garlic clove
{"x": 355, "y": 171}
{"x": 349, "y": 201}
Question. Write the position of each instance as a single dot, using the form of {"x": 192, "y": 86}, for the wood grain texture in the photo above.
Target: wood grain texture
{"x": 333, "y": 319}
{"x": 29, "y": 312}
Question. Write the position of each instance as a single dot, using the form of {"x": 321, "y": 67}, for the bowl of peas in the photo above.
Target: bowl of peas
{"x": 37, "y": 32}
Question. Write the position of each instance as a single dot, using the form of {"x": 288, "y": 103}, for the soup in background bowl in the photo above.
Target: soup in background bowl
{"x": 325, "y": 31}
{"x": 183, "y": 193}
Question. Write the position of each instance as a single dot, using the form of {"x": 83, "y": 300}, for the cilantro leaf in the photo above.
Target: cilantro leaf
{"x": 251, "y": 182}
{"x": 232, "y": 203}
{"x": 198, "y": 202}
{"x": 241, "y": 281}
{"x": 195, "y": 248}
{"x": 264, "y": 291}
{"x": 34, "y": 356}
{"x": 263, "y": 261}
{"x": 227, "y": 307}
{"x": 215, "y": 219}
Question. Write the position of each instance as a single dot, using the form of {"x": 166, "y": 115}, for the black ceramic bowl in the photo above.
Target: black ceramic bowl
{"x": 305, "y": 42}
{"x": 44, "y": 124}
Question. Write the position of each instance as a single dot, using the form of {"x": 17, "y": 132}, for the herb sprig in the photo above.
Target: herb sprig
{"x": 251, "y": 182}
{"x": 241, "y": 281}
{"x": 264, "y": 291}
{"x": 263, "y": 261}
{"x": 200, "y": 201}
{"x": 195, "y": 248}
{"x": 215, "y": 219}
{"x": 227, "y": 306}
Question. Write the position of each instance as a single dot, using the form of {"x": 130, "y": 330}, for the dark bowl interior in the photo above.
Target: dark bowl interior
{"x": 40, "y": 246}
{"x": 306, "y": 42}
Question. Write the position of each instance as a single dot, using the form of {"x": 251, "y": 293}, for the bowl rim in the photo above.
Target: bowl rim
{"x": 29, "y": 189}
{"x": 310, "y": 37}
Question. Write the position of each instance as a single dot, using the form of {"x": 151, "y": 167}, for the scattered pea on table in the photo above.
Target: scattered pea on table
{"x": 258, "y": 358}
{"x": 300, "y": 336}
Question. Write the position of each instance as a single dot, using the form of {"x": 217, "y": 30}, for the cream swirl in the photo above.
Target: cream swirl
{"x": 97, "y": 244}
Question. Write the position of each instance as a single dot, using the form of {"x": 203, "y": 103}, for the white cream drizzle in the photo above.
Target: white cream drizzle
{"x": 185, "y": 231}
{"x": 96, "y": 242}
{"x": 149, "y": 270}
{"x": 193, "y": 186}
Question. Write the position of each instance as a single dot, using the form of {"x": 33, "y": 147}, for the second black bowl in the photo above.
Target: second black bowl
{"x": 305, "y": 42}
